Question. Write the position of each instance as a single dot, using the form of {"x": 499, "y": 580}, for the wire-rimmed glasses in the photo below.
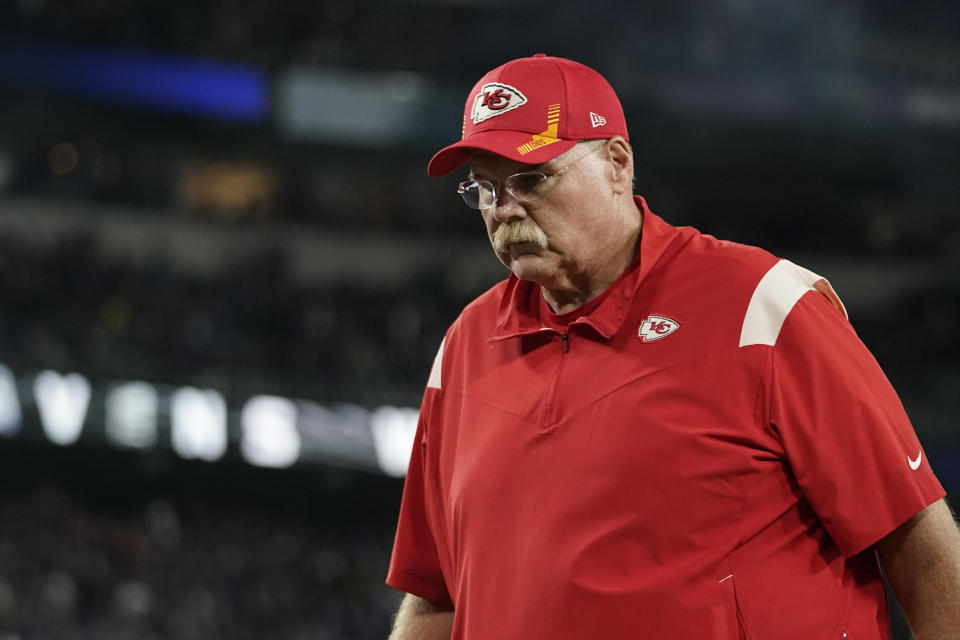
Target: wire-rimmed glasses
{"x": 526, "y": 187}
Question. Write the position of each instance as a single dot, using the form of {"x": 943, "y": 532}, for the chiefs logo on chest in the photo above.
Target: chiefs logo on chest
{"x": 657, "y": 327}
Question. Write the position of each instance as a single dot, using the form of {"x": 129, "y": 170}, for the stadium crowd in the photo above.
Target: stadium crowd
{"x": 71, "y": 309}
{"x": 94, "y": 547}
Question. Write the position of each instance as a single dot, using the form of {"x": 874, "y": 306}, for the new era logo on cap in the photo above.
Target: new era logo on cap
{"x": 495, "y": 99}
{"x": 597, "y": 120}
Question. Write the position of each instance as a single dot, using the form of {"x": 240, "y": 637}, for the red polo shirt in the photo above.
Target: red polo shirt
{"x": 705, "y": 451}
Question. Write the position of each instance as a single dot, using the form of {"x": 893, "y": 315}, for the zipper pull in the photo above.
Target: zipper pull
{"x": 564, "y": 342}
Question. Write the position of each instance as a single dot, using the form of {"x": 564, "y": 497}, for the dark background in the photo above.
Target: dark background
{"x": 297, "y": 249}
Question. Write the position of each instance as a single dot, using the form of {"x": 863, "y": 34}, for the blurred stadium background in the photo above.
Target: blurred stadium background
{"x": 224, "y": 273}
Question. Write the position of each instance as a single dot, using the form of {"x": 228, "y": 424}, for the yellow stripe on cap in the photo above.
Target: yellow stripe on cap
{"x": 544, "y": 138}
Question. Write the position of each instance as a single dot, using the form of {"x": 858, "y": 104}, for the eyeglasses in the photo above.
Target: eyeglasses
{"x": 526, "y": 187}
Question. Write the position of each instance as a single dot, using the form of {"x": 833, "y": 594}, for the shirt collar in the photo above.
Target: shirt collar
{"x": 520, "y": 313}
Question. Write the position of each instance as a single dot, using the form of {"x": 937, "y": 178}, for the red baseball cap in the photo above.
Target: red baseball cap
{"x": 533, "y": 109}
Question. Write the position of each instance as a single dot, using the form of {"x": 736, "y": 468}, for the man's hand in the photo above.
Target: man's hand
{"x": 922, "y": 561}
{"x": 420, "y": 619}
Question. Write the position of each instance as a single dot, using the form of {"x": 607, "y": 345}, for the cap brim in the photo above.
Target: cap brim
{"x": 502, "y": 143}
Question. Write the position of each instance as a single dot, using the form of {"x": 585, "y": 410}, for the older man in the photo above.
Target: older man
{"x": 646, "y": 432}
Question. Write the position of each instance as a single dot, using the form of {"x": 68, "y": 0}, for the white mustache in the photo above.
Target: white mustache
{"x": 516, "y": 232}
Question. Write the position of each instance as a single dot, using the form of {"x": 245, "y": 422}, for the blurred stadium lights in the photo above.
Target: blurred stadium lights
{"x": 63, "y": 158}
{"x": 228, "y": 189}
{"x": 62, "y": 401}
{"x": 828, "y": 96}
{"x": 393, "y": 432}
{"x": 372, "y": 109}
{"x": 200, "y": 424}
{"x": 10, "y": 413}
{"x": 935, "y": 106}
{"x": 131, "y": 415}
{"x": 164, "y": 82}
{"x": 270, "y": 436}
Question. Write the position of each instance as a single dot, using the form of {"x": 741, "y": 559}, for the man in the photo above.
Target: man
{"x": 646, "y": 432}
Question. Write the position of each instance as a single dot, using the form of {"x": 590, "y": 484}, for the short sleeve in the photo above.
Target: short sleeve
{"x": 415, "y": 564}
{"x": 846, "y": 435}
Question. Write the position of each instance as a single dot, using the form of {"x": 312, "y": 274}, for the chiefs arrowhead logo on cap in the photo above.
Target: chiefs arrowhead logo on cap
{"x": 495, "y": 99}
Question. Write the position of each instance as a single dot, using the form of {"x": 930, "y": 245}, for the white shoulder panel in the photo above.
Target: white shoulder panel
{"x": 773, "y": 299}
{"x": 434, "y": 380}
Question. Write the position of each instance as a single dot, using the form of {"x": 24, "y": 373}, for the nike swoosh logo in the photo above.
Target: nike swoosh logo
{"x": 915, "y": 464}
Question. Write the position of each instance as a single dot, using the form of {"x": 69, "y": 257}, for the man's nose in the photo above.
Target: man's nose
{"x": 507, "y": 207}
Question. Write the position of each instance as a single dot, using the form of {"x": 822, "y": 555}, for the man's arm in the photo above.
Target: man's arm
{"x": 922, "y": 562}
{"x": 420, "y": 619}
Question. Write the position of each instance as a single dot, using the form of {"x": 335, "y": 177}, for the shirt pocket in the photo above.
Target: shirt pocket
{"x": 728, "y": 619}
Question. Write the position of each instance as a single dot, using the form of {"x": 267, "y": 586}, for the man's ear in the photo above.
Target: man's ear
{"x": 621, "y": 158}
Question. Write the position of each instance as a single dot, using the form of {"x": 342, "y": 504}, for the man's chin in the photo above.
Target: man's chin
{"x": 527, "y": 266}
